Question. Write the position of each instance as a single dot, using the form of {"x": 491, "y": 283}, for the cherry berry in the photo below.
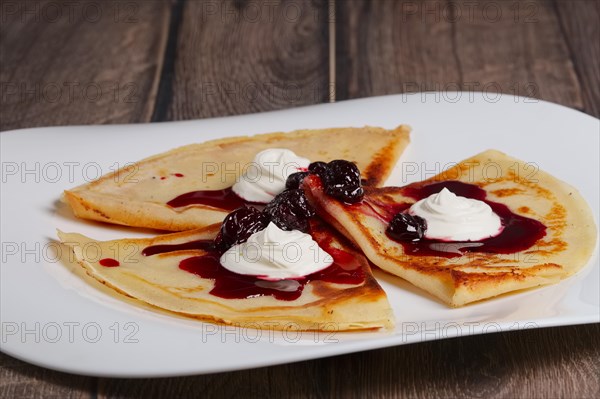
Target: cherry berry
{"x": 239, "y": 225}
{"x": 293, "y": 181}
{"x": 290, "y": 210}
{"x": 343, "y": 181}
{"x": 405, "y": 227}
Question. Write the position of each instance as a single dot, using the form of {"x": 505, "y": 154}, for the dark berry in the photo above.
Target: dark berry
{"x": 293, "y": 181}
{"x": 320, "y": 169}
{"x": 405, "y": 227}
{"x": 290, "y": 210}
{"x": 239, "y": 225}
{"x": 344, "y": 182}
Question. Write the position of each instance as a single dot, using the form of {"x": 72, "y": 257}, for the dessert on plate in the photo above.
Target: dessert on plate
{"x": 290, "y": 245}
{"x": 197, "y": 185}
{"x": 270, "y": 262}
{"x": 475, "y": 231}
{"x": 247, "y": 272}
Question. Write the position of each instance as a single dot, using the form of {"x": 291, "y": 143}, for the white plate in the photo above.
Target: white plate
{"x": 52, "y": 317}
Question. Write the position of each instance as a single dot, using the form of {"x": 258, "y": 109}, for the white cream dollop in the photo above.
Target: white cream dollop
{"x": 265, "y": 177}
{"x": 275, "y": 254}
{"x": 451, "y": 217}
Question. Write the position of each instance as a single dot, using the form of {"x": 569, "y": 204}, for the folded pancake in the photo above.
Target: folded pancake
{"x": 156, "y": 278}
{"x": 138, "y": 195}
{"x": 569, "y": 240}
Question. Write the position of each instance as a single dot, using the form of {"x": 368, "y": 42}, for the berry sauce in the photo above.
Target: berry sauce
{"x": 222, "y": 199}
{"x": 205, "y": 245}
{"x": 346, "y": 269}
{"x": 519, "y": 233}
{"x": 109, "y": 262}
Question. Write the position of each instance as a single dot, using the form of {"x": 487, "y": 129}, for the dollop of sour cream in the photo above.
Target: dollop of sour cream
{"x": 265, "y": 177}
{"x": 274, "y": 254}
{"x": 451, "y": 217}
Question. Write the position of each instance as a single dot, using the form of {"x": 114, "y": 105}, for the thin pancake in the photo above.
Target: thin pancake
{"x": 567, "y": 246}
{"x": 138, "y": 194}
{"x": 158, "y": 281}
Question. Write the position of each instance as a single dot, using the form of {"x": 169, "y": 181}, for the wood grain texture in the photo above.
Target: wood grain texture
{"x": 517, "y": 48}
{"x": 83, "y": 62}
{"x": 215, "y": 63}
{"x": 580, "y": 23}
{"x": 243, "y": 56}
{"x": 491, "y": 46}
{"x": 66, "y": 63}
{"x": 22, "y": 380}
{"x": 383, "y": 48}
{"x": 525, "y": 364}
{"x": 557, "y": 362}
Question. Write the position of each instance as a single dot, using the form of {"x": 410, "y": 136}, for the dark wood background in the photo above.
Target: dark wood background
{"x": 93, "y": 62}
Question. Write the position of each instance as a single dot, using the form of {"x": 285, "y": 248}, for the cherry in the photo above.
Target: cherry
{"x": 320, "y": 169}
{"x": 343, "y": 181}
{"x": 239, "y": 225}
{"x": 405, "y": 227}
{"x": 293, "y": 181}
{"x": 290, "y": 210}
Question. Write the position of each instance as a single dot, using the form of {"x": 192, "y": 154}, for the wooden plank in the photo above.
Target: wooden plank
{"x": 22, "y": 380}
{"x": 580, "y": 23}
{"x": 509, "y": 47}
{"x": 555, "y": 362}
{"x": 309, "y": 379}
{"x": 67, "y": 63}
{"x": 83, "y": 62}
{"x": 517, "y": 48}
{"x": 236, "y": 57}
{"x": 383, "y": 48}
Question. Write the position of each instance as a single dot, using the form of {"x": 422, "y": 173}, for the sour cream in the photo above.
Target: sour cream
{"x": 275, "y": 254}
{"x": 451, "y": 217}
{"x": 265, "y": 177}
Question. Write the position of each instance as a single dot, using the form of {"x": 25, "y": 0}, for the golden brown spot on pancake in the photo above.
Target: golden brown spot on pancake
{"x": 470, "y": 280}
{"x": 557, "y": 217}
{"x": 379, "y": 165}
{"x": 453, "y": 173}
{"x": 524, "y": 209}
{"x": 529, "y": 183}
{"x": 331, "y": 293}
{"x": 550, "y": 247}
{"x": 507, "y": 192}
{"x": 188, "y": 290}
{"x": 102, "y": 214}
{"x": 84, "y": 204}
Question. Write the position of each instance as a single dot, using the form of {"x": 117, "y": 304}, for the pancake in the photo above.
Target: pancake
{"x": 158, "y": 280}
{"x": 138, "y": 195}
{"x": 566, "y": 247}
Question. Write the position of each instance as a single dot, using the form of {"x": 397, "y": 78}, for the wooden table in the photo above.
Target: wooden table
{"x": 92, "y": 62}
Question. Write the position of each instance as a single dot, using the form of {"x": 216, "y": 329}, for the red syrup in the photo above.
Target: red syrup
{"x": 382, "y": 210}
{"x": 346, "y": 269}
{"x": 222, "y": 199}
{"x": 109, "y": 262}
{"x": 519, "y": 233}
{"x": 205, "y": 245}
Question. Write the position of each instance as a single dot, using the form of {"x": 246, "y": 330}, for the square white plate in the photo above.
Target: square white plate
{"x": 53, "y": 317}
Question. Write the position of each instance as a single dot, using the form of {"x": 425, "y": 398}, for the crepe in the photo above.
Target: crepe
{"x": 159, "y": 281}
{"x": 569, "y": 242}
{"x": 138, "y": 195}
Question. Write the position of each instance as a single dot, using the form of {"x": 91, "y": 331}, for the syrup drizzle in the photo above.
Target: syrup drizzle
{"x": 346, "y": 269}
{"x": 109, "y": 262}
{"x": 222, "y": 199}
{"x": 205, "y": 245}
{"x": 519, "y": 233}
